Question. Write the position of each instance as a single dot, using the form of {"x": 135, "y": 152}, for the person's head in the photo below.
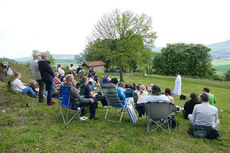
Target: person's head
{"x": 33, "y": 83}
{"x": 177, "y": 73}
{"x": 134, "y": 86}
{"x": 168, "y": 91}
{"x": 138, "y": 86}
{"x": 44, "y": 56}
{"x": 206, "y": 90}
{"x": 36, "y": 55}
{"x": 59, "y": 65}
{"x": 85, "y": 80}
{"x": 130, "y": 85}
{"x": 204, "y": 97}
{"x": 69, "y": 78}
{"x": 194, "y": 97}
{"x": 17, "y": 75}
{"x": 114, "y": 81}
{"x": 141, "y": 88}
{"x": 121, "y": 85}
{"x": 71, "y": 65}
{"x": 156, "y": 90}
{"x": 56, "y": 74}
{"x": 78, "y": 86}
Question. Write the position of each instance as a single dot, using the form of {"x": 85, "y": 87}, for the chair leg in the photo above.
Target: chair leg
{"x": 63, "y": 117}
{"x": 106, "y": 114}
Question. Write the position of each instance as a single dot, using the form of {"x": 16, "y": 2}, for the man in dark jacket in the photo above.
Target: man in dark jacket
{"x": 47, "y": 76}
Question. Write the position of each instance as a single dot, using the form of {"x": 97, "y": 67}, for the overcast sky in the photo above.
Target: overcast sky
{"x": 61, "y": 26}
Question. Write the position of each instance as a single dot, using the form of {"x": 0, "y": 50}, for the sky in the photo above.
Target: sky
{"x": 62, "y": 26}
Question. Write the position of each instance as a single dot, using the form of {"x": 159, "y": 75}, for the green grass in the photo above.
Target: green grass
{"x": 29, "y": 126}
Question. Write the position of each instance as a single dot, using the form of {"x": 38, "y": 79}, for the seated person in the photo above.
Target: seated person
{"x": 122, "y": 87}
{"x": 33, "y": 85}
{"x": 156, "y": 95}
{"x": 189, "y": 105}
{"x": 91, "y": 73}
{"x": 17, "y": 85}
{"x": 129, "y": 90}
{"x": 142, "y": 94}
{"x": 168, "y": 94}
{"x": 77, "y": 100}
{"x": 119, "y": 91}
{"x": 212, "y": 98}
{"x": 106, "y": 79}
{"x": 61, "y": 72}
{"x": 204, "y": 114}
{"x": 71, "y": 69}
{"x": 86, "y": 90}
{"x": 56, "y": 80}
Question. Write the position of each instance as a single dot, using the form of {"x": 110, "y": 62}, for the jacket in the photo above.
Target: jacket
{"x": 46, "y": 71}
{"x": 35, "y": 70}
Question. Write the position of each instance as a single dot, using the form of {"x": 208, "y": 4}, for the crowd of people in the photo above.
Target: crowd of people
{"x": 199, "y": 110}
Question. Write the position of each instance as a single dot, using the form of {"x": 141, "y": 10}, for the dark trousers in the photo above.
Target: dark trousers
{"x": 92, "y": 108}
{"x": 41, "y": 90}
{"x": 49, "y": 88}
{"x": 140, "y": 108}
{"x": 101, "y": 98}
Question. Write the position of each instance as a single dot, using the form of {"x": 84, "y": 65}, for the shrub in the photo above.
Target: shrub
{"x": 227, "y": 75}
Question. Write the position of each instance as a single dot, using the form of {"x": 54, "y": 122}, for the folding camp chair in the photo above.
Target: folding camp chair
{"x": 112, "y": 98}
{"x": 159, "y": 113}
{"x": 65, "y": 106}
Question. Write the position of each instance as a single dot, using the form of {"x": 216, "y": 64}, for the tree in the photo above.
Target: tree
{"x": 119, "y": 37}
{"x": 51, "y": 59}
{"x": 187, "y": 59}
{"x": 227, "y": 75}
{"x": 80, "y": 59}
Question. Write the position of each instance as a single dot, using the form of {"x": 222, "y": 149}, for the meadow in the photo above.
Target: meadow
{"x": 29, "y": 126}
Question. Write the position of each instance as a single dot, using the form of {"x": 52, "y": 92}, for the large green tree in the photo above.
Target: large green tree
{"x": 119, "y": 38}
{"x": 187, "y": 59}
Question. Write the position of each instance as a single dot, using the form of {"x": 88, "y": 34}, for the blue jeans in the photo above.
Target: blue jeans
{"x": 49, "y": 88}
{"x": 28, "y": 90}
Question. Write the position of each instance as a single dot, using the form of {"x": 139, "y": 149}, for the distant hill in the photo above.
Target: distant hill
{"x": 220, "y": 50}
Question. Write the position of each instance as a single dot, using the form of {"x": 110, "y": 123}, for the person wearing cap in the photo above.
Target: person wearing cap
{"x": 36, "y": 74}
{"x": 47, "y": 76}
{"x": 119, "y": 91}
{"x": 156, "y": 95}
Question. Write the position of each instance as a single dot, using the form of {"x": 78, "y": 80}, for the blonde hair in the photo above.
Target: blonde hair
{"x": 33, "y": 82}
{"x": 141, "y": 88}
{"x": 68, "y": 76}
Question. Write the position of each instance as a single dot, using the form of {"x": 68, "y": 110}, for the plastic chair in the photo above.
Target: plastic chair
{"x": 159, "y": 113}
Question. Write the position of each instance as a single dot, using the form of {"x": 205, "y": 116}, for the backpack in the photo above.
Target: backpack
{"x": 182, "y": 97}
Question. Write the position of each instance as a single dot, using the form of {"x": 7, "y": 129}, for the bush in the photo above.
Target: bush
{"x": 227, "y": 75}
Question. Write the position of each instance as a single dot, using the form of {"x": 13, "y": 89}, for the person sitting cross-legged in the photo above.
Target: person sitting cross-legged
{"x": 77, "y": 100}
{"x": 205, "y": 118}
{"x": 17, "y": 85}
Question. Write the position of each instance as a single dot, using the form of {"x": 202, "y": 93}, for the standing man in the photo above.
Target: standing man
{"x": 36, "y": 74}
{"x": 47, "y": 76}
{"x": 177, "y": 88}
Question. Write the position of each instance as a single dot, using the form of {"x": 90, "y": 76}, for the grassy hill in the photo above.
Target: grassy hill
{"x": 29, "y": 126}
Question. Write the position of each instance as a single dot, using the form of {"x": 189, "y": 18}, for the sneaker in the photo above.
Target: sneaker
{"x": 52, "y": 102}
{"x": 85, "y": 117}
{"x": 82, "y": 118}
{"x": 105, "y": 106}
{"x": 94, "y": 118}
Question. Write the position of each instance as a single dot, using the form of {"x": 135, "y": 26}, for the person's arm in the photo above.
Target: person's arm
{"x": 216, "y": 116}
{"x": 122, "y": 97}
{"x": 194, "y": 114}
{"x": 76, "y": 95}
{"x": 49, "y": 69}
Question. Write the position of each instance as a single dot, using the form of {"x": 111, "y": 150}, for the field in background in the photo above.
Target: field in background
{"x": 221, "y": 65}
{"x": 29, "y": 126}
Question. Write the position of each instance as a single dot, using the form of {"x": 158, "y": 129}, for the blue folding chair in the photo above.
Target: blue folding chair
{"x": 64, "y": 106}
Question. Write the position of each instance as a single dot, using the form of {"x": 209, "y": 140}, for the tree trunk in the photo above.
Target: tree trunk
{"x": 121, "y": 74}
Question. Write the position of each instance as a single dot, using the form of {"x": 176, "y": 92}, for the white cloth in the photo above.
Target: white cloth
{"x": 17, "y": 85}
{"x": 71, "y": 68}
{"x": 177, "y": 88}
{"x": 204, "y": 114}
{"x": 61, "y": 71}
{"x": 155, "y": 98}
{"x": 141, "y": 97}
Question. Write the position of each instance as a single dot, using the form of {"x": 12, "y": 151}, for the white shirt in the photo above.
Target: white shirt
{"x": 156, "y": 98}
{"x": 141, "y": 97}
{"x": 17, "y": 85}
{"x": 205, "y": 114}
